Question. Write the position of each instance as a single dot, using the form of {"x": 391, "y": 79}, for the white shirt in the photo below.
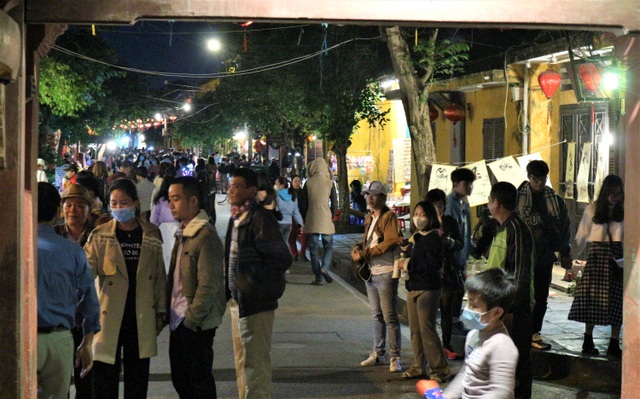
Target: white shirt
{"x": 591, "y": 232}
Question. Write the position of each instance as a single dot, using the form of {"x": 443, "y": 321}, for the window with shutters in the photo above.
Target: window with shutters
{"x": 492, "y": 138}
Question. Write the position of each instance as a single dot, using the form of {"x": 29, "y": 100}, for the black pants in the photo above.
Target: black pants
{"x": 191, "y": 358}
{"x": 106, "y": 377}
{"x": 84, "y": 386}
{"x": 519, "y": 326}
{"x": 541, "y": 282}
{"x": 450, "y": 305}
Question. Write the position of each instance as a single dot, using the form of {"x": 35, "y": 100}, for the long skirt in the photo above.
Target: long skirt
{"x": 598, "y": 298}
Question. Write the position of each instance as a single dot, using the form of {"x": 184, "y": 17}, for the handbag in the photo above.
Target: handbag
{"x": 364, "y": 271}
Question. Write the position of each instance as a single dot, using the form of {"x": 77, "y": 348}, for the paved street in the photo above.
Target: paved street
{"x": 323, "y": 332}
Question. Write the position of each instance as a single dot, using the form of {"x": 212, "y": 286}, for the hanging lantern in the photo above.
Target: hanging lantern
{"x": 455, "y": 113}
{"x": 549, "y": 81}
{"x": 433, "y": 114}
{"x": 590, "y": 75}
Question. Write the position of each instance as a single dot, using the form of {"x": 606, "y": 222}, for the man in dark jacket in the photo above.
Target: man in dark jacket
{"x": 256, "y": 258}
{"x": 545, "y": 212}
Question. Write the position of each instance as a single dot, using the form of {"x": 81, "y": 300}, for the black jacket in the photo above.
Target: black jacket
{"x": 425, "y": 265}
{"x": 263, "y": 258}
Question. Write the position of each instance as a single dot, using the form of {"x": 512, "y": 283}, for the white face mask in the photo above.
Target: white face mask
{"x": 420, "y": 222}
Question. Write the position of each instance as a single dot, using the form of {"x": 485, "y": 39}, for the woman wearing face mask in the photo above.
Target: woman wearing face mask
{"x": 424, "y": 286}
{"x": 125, "y": 255}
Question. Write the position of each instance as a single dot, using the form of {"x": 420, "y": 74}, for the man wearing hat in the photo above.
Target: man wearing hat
{"x": 380, "y": 239}
{"x": 41, "y": 175}
{"x": 65, "y": 290}
{"x": 71, "y": 172}
{"x": 76, "y": 204}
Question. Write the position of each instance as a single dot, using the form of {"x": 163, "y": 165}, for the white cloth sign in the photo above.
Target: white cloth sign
{"x": 441, "y": 177}
{"x": 482, "y": 185}
{"x": 570, "y": 171}
{"x": 507, "y": 169}
{"x": 583, "y": 173}
{"x": 524, "y": 161}
{"x": 602, "y": 168}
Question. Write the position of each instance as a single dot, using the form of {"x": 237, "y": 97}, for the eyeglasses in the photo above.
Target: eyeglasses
{"x": 538, "y": 179}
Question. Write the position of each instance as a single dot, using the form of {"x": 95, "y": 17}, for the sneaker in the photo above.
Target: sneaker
{"x": 315, "y": 282}
{"x": 458, "y": 328}
{"x": 413, "y": 372}
{"x": 451, "y": 354}
{"x": 373, "y": 360}
{"x": 394, "y": 365}
{"x": 327, "y": 277}
{"x": 538, "y": 343}
{"x": 441, "y": 377}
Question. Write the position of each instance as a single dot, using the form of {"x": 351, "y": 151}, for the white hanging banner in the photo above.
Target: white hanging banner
{"x": 602, "y": 168}
{"x": 524, "y": 161}
{"x": 583, "y": 173}
{"x": 507, "y": 169}
{"x": 482, "y": 184}
{"x": 441, "y": 177}
{"x": 570, "y": 171}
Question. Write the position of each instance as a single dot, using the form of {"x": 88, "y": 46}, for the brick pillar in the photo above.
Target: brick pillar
{"x": 628, "y": 51}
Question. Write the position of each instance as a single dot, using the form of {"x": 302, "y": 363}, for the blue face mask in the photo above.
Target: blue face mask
{"x": 471, "y": 319}
{"x": 123, "y": 215}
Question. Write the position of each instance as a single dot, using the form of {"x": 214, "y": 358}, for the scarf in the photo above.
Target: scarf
{"x": 525, "y": 202}
{"x": 237, "y": 211}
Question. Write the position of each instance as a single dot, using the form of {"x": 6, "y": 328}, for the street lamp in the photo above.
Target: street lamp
{"x": 214, "y": 45}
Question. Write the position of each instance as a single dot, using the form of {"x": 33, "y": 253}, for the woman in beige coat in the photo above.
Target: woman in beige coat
{"x": 125, "y": 255}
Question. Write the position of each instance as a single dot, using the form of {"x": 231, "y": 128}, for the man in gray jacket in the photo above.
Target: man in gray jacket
{"x": 196, "y": 291}
{"x": 318, "y": 218}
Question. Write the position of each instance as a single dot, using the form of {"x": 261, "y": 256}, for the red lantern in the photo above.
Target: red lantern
{"x": 549, "y": 81}
{"x": 590, "y": 75}
{"x": 433, "y": 114}
{"x": 455, "y": 113}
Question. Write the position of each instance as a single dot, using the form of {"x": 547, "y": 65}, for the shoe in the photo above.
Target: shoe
{"x": 394, "y": 365}
{"x": 327, "y": 277}
{"x": 304, "y": 258}
{"x": 373, "y": 360}
{"x": 538, "y": 343}
{"x": 451, "y": 354}
{"x": 441, "y": 377}
{"x": 413, "y": 372}
{"x": 588, "y": 348}
{"x": 613, "y": 351}
{"x": 296, "y": 258}
{"x": 315, "y": 282}
{"x": 458, "y": 328}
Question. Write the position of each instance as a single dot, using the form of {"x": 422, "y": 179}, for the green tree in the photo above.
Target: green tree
{"x": 80, "y": 95}
{"x": 416, "y": 68}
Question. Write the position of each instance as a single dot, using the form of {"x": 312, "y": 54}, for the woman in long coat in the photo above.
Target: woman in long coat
{"x": 598, "y": 298}
{"x": 125, "y": 255}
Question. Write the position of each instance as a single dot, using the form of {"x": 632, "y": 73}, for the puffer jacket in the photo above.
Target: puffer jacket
{"x": 201, "y": 272}
{"x": 108, "y": 265}
{"x": 263, "y": 258}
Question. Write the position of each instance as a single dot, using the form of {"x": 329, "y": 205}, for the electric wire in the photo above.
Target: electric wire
{"x": 250, "y": 71}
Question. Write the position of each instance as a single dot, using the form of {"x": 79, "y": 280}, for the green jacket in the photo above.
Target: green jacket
{"x": 201, "y": 272}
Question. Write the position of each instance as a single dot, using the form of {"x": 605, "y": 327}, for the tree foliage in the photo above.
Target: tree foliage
{"x": 83, "y": 98}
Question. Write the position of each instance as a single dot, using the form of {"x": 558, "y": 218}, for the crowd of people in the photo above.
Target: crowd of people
{"x": 142, "y": 227}
{"x": 506, "y": 303}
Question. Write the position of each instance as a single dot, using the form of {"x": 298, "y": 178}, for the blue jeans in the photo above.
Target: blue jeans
{"x": 327, "y": 243}
{"x": 382, "y": 291}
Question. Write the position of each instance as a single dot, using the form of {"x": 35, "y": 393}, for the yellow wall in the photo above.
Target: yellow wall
{"x": 378, "y": 142}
